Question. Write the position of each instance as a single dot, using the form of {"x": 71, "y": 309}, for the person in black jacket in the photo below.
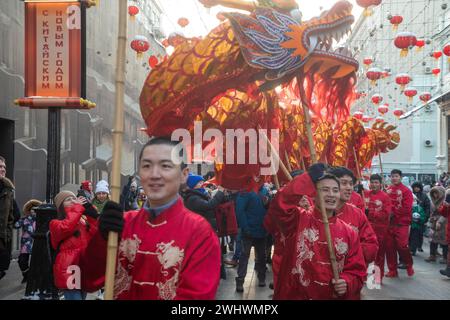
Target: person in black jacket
{"x": 424, "y": 202}
{"x": 197, "y": 199}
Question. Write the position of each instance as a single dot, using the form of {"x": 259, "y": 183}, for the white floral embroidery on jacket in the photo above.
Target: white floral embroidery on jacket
{"x": 304, "y": 252}
{"x": 170, "y": 257}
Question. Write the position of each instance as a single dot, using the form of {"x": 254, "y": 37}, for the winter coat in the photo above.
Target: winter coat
{"x": 437, "y": 236}
{"x": 99, "y": 205}
{"x": 6, "y": 209}
{"x": 201, "y": 204}
{"x": 69, "y": 237}
{"x": 250, "y": 212}
{"x": 422, "y": 200}
{"x": 28, "y": 226}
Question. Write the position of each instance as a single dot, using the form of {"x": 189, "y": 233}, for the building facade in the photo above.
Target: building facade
{"x": 86, "y": 140}
{"x": 373, "y": 36}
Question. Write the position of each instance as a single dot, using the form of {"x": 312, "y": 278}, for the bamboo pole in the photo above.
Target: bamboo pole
{"x": 358, "y": 169}
{"x": 312, "y": 151}
{"x": 117, "y": 145}
{"x": 288, "y": 163}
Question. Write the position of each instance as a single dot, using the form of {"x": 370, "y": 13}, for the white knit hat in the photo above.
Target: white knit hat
{"x": 102, "y": 186}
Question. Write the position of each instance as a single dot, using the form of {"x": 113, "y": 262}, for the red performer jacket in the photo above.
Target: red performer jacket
{"x": 359, "y": 223}
{"x": 380, "y": 208}
{"x": 305, "y": 271}
{"x": 70, "y": 237}
{"x": 402, "y": 202}
{"x": 357, "y": 201}
{"x": 173, "y": 256}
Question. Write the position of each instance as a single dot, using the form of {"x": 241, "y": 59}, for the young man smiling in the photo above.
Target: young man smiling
{"x": 354, "y": 216}
{"x": 379, "y": 211}
{"x": 166, "y": 252}
{"x": 398, "y": 233}
{"x": 305, "y": 271}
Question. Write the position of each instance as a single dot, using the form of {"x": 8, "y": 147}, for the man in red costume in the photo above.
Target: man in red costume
{"x": 352, "y": 215}
{"x": 398, "y": 233}
{"x": 379, "y": 211}
{"x": 305, "y": 271}
{"x": 166, "y": 252}
{"x": 357, "y": 200}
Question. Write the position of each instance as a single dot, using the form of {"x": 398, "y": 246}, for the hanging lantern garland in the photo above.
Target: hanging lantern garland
{"x": 403, "y": 79}
{"x": 367, "y": 4}
{"x": 410, "y": 92}
{"x": 183, "y": 22}
{"x": 420, "y": 44}
{"x": 436, "y": 71}
{"x": 395, "y": 21}
{"x": 377, "y": 99}
{"x": 436, "y": 55}
{"x": 140, "y": 44}
{"x": 132, "y": 12}
{"x": 367, "y": 62}
{"x": 403, "y": 41}
{"x": 398, "y": 112}
{"x": 425, "y": 97}
{"x": 383, "y": 109}
{"x": 374, "y": 74}
{"x": 446, "y": 51}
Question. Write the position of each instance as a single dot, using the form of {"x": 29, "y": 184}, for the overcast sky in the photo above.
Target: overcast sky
{"x": 203, "y": 20}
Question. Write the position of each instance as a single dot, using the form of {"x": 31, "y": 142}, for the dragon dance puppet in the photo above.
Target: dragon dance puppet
{"x": 227, "y": 80}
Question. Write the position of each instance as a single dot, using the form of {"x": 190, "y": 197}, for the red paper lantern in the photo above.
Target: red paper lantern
{"x": 402, "y": 80}
{"x": 379, "y": 119}
{"x": 436, "y": 71}
{"x": 360, "y": 95}
{"x": 403, "y": 41}
{"x": 396, "y": 20}
{"x": 140, "y": 44}
{"x": 420, "y": 44}
{"x": 368, "y": 61}
{"x": 365, "y": 119}
{"x": 446, "y": 51}
{"x": 398, "y": 112}
{"x": 366, "y": 4}
{"x": 358, "y": 115}
{"x": 425, "y": 97}
{"x": 183, "y": 22}
{"x": 377, "y": 99}
{"x": 133, "y": 11}
{"x": 153, "y": 61}
{"x": 383, "y": 109}
{"x": 410, "y": 92}
{"x": 437, "y": 55}
{"x": 374, "y": 74}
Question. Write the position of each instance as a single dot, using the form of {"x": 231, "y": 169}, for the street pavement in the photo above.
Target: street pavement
{"x": 426, "y": 284}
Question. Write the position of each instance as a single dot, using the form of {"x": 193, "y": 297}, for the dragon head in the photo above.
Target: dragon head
{"x": 314, "y": 38}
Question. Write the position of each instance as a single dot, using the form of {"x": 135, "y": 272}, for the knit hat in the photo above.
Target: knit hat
{"x": 102, "y": 186}
{"x": 85, "y": 185}
{"x": 63, "y": 195}
{"x": 193, "y": 180}
{"x": 30, "y": 205}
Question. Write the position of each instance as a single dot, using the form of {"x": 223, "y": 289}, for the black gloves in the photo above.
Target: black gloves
{"x": 316, "y": 171}
{"x": 367, "y": 212}
{"x": 90, "y": 211}
{"x": 111, "y": 219}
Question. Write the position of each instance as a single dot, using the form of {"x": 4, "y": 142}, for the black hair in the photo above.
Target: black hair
{"x": 164, "y": 141}
{"x": 329, "y": 176}
{"x": 417, "y": 184}
{"x": 376, "y": 177}
{"x": 339, "y": 172}
{"x": 2, "y": 159}
{"x": 296, "y": 173}
{"x": 396, "y": 171}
